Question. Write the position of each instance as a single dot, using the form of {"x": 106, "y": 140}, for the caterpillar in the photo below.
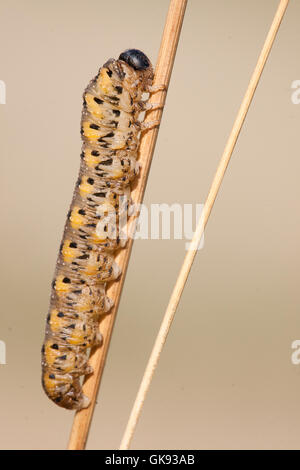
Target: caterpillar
{"x": 110, "y": 128}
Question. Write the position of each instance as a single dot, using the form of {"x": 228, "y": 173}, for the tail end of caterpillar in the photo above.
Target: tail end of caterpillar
{"x": 65, "y": 391}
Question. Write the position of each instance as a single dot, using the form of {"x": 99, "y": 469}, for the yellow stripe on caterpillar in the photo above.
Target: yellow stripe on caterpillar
{"x": 104, "y": 82}
{"x": 59, "y": 357}
{"x": 89, "y": 132}
{"x": 76, "y": 219}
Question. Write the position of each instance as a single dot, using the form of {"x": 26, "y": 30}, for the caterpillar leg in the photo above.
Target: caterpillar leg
{"x": 88, "y": 370}
{"x": 145, "y": 126}
{"x": 146, "y": 106}
{"x": 156, "y": 88}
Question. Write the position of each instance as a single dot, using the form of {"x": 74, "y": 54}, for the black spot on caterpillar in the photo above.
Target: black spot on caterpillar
{"x": 110, "y": 130}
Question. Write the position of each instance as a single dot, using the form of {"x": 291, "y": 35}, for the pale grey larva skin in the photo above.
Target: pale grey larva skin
{"x": 111, "y": 134}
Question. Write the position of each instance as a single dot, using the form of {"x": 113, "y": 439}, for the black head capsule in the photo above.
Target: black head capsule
{"x": 136, "y": 59}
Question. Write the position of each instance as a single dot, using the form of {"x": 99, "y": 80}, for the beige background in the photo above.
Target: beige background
{"x": 225, "y": 379}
